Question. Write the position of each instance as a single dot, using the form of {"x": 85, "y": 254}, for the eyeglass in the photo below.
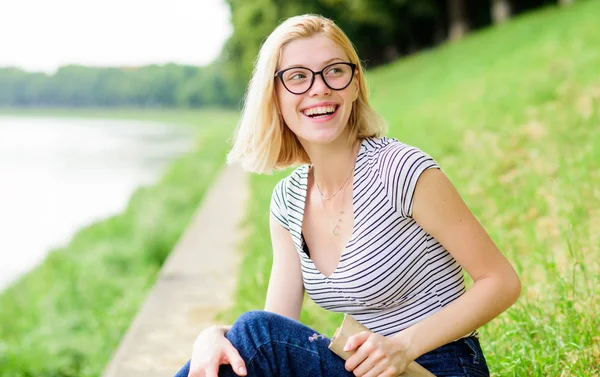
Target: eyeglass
{"x": 299, "y": 80}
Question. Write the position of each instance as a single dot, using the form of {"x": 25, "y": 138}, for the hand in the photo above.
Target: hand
{"x": 212, "y": 349}
{"x": 376, "y": 355}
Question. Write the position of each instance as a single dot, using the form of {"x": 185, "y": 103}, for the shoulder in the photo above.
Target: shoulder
{"x": 392, "y": 155}
{"x": 285, "y": 193}
{"x": 399, "y": 166}
{"x": 292, "y": 182}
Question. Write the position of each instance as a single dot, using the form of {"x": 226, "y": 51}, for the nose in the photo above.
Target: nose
{"x": 319, "y": 87}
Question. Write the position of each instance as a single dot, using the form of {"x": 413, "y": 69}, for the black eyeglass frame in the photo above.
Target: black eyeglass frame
{"x": 314, "y": 74}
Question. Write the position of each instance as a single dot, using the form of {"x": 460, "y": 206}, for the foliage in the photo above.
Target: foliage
{"x": 382, "y": 30}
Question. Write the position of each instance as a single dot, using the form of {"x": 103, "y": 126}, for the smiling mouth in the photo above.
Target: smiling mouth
{"x": 321, "y": 111}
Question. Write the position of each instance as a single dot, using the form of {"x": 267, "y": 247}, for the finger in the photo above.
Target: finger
{"x": 374, "y": 364}
{"x": 363, "y": 368}
{"x": 196, "y": 371}
{"x": 355, "y": 341}
{"x": 212, "y": 370}
{"x": 361, "y": 354}
{"x": 377, "y": 370}
{"x": 391, "y": 372}
{"x": 237, "y": 363}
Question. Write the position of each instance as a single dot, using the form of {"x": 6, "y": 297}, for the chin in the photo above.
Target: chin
{"x": 323, "y": 136}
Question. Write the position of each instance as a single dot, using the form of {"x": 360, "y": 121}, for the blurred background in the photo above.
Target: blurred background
{"x": 115, "y": 117}
{"x": 199, "y": 53}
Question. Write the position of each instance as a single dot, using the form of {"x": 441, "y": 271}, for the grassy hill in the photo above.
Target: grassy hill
{"x": 512, "y": 114}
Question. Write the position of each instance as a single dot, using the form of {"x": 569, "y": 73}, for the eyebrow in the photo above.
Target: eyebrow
{"x": 326, "y": 62}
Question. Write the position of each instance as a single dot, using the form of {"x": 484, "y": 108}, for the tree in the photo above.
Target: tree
{"x": 500, "y": 11}
{"x": 381, "y": 31}
{"x": 457, "y": 17}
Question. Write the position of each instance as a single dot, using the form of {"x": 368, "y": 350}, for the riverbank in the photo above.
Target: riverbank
{"x": 198, "y": 119}
{"x": 62, "y": 174}
{"x": 66, "y": 317}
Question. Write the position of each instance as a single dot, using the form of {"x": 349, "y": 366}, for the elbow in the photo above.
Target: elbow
{"x": 513, "y": 287}
{"x": 507, "y": 288}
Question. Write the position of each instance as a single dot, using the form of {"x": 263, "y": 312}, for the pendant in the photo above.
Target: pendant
{"x": 336, "y": 230}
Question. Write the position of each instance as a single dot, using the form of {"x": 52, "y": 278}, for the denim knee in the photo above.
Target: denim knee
{"x": 252, "y": 327}
{"x": 253, "y": 320}
{"x": 253, "y": 317}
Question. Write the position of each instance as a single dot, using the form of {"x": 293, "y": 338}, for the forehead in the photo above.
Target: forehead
{"x": 311, "y": 52}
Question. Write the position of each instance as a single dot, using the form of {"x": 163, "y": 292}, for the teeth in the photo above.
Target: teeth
{"x": 319, "y": 110}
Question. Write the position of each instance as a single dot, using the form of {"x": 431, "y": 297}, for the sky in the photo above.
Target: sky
{"x": 41, "y": 35}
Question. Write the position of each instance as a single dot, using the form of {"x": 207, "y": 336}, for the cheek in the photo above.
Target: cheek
{"x": 287, "y": 105}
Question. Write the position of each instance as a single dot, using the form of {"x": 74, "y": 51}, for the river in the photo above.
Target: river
{"x": 58, "y": 175}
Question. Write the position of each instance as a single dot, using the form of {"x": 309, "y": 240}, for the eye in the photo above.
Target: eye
{"x": 295, "y": 75}
{"x": 298, "y": 75}
{"x": 335, "y": 71}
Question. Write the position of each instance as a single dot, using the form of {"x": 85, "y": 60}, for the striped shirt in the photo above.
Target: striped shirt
{"x": 391, "y": 273}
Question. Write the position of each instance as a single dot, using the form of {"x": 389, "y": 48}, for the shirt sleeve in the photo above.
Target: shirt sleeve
{"x": 402, "y": 166}
{"x": 278, "y": 204}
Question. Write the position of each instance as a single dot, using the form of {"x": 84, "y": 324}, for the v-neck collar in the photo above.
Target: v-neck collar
{"x": 303, "y": 175}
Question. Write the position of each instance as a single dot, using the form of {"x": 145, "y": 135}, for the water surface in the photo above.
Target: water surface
{"x": 57, "y": 175}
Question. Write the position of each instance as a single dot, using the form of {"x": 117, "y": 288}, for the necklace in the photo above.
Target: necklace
{"x": 338, "y": 225}
{"x": 323, "y": 196}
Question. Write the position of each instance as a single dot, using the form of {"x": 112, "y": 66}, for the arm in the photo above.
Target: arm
{"x": 284, "y": 296}
{"x": 441, "y": 212}
{"x": 286, "y": 290}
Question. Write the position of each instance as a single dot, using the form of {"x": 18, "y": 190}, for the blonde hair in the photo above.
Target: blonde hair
{"x": 262, "y": 141}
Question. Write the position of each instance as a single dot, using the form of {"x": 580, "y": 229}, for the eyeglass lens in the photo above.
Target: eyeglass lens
{"x": 299, "y": 80}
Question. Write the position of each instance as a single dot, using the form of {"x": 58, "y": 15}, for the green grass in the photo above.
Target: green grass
{"x": 512, "y": 114}
{"x": 67, "y": 317}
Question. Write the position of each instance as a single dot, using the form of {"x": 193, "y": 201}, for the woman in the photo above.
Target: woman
{"x": 367, "y": 225}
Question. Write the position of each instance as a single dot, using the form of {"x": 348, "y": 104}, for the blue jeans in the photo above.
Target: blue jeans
{"x": 274, "y": 345}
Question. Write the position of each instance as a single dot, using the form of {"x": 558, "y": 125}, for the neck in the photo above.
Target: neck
{"x": 332, "y": 163}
